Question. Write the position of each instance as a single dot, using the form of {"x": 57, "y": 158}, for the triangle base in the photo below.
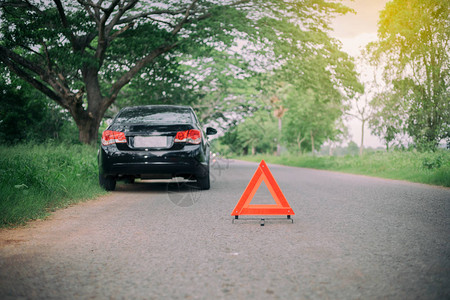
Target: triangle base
{"x": 243, "y": 207}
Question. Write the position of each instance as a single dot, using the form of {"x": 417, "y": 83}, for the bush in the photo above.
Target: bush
{"x": 432, "y": 161}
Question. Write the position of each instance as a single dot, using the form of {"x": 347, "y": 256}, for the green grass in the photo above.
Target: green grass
{"x": 428, "y": 168}
{"x": 38, "y": 179}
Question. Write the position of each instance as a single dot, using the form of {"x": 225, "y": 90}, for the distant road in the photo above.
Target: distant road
{"x": 353, "y": 237}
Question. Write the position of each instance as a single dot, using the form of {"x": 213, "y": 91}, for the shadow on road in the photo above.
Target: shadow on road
{"x": 156, "y": 186}
{"x": 182, "y": 193}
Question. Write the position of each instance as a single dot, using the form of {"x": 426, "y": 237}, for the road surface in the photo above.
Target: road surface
{"x": 353, "y": 237}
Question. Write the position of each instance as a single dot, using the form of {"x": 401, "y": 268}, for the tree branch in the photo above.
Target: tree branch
{"x": 102, "y": 33}
{"x": 65, "y": 24}
{"x": 122, "y": 30}
{"x": 6, "y": 53}
{"x": 122, "y": 81}
{"x": 96, "y": 6}
{"x": 170, "y": 12}
{"x": 87, "y": 7}
{"x": 117, "y": 17}
{"x": 47, "y": 56}
{"x": 161, "y": 21}
{"x": 17, "y": 64}
{"x": 35, "y": 83}
{"x": 19, "y": 3}
{"x": 186, "y": 16}
{"x": 155, "y": 12}
{"x": 62, "y": 14}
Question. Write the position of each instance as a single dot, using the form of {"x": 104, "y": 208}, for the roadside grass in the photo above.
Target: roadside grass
{"x": 38, "y": 179}
{"x": 429, "y": 168}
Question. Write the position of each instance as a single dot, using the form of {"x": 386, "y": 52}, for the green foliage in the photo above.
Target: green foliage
{"x": 208, "y": 63}
{"x": 352, "y": 148}
{"x": 257, "y": 134}
{"x": 310, "y": 117}
{"x": 27, "y": 115}
{"x": 414, "y": 51}
{"x": 433, "y": 160}
{"x": 310, "y": 76}
{"x": 162, "y": 83}
{"x": 37, "y": 179}
{"x": 68, "y": 52}
{"x": 430, "y": 168}
{"x": 388, "y": 117}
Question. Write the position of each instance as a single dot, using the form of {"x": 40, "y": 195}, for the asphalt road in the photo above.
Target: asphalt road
{"x": 353, "y": 237}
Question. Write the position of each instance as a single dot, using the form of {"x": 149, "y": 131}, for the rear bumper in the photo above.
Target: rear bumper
{"x": 153, "y": 164}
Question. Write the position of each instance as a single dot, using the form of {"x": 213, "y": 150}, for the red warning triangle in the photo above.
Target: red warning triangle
{"x": 243, "y": 207}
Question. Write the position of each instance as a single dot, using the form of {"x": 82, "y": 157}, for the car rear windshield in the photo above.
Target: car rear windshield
{"x": 155, "y": 115}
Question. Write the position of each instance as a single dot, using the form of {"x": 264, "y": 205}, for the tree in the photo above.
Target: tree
{"x": 389, "y": 116}
{"x": 323, "y": 81}
{"x": 413, "y": 46}
{"x": 257, "y": 134}
{"x": 310, "y": 119}
{"x": 26, "y": 114}
{"x": 352, "y": 148}
{"x": 223, "y": 87}
{"x": 363, "y": 114}
{"x": 317, "y": 79}
{"x": 82, "y": 54}
{"x": 279, "y": 110}
{"x": 85, "y": 55}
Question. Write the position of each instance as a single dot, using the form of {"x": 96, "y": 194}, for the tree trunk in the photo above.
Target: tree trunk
{"x": 279, "y": 137}
{"x": 313, "y": 149}
{"x": 88, "y": 131}
{"x": 361, "y": 147}
{"x": 299, "y": 143}
{"x": 88, "y": 119}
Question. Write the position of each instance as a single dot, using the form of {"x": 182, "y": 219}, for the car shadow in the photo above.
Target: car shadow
{"x": 157, "y": 186}
{"x": 182, "y": 193}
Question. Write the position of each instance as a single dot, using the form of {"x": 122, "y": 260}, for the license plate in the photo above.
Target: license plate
{"x": 150, "y": 141}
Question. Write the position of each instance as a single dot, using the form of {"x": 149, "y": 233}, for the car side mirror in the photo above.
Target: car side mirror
{"x": 210, "y": 131}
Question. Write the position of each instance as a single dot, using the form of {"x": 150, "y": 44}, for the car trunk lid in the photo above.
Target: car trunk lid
{"x": 143, "y": 137}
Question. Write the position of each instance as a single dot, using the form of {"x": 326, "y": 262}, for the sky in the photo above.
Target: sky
{"x": 355, "y": 31}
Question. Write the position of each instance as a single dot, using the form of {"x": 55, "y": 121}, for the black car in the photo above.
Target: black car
{"x": 154, "y": 142}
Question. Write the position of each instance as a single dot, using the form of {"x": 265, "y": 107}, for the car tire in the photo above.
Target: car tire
{"x": 204, "y": 182}
{"x": 107, "y": 182}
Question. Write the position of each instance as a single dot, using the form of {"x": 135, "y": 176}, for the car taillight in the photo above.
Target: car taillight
{"x": 111, "y": 137}
{"x": 192, "y": 136}
{"x": 181, "y": 136}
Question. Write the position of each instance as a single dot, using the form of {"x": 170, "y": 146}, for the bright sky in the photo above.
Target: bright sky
{"x": 356, "y": 31}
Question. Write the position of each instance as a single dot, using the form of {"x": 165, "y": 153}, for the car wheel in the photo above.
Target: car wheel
{"x": 203, "y": 182}
{"x": 107, "y": 182}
